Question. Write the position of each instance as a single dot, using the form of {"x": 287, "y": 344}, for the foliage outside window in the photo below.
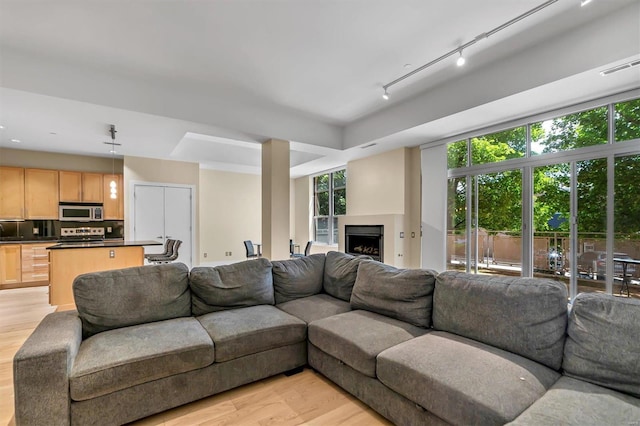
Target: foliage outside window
{"x": 330, "y": 201}
{"x": 586, "y": 128}
{"x": 457, "y": 154}
{"x": 499, "y": 146}
{"x": 627, "y": 116}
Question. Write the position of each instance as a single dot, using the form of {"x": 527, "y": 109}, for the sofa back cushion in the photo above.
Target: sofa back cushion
{"x": 238, "y": 285}
{"x": 124, "y": 297}
{"x": 603, "y": 344}
{"x": 526, "y": 316}
{"x": 296, "y": 278}
{"x": 403, "y": 294}
{"x": 340, "y": 270}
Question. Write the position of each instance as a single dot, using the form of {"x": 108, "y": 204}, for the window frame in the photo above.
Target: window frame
{"x": 331, "y": 194}
{"x": 611, "y": 150}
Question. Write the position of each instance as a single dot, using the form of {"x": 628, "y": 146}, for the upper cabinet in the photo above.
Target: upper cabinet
{"x": 81, "y": 187}
{"x": 11, "y": 193}
{"x": 41, "y": 194}
{"x": 113, "y": 207}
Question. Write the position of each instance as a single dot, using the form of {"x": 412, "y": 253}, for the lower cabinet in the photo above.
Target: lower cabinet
{"x": 35, "y": 262}
{"x": 10, "y": 267}
{"x": 23, "y": 264}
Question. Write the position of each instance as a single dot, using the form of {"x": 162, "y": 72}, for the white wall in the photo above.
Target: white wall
{"x": 376, "y": 184}
{"x": 230, "y": 212}
{"x": 434, "y": 207}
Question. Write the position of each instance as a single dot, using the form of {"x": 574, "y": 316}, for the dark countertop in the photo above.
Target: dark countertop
{"x": 22, "y": 241}
{"x": 105, "y": 243}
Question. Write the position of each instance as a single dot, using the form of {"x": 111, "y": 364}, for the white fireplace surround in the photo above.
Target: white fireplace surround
{"x": 392, "y": 242}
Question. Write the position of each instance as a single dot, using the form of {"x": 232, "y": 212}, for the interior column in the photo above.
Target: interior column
{"x": 275, "y": 199}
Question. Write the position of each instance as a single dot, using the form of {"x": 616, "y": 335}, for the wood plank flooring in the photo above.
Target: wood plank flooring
{"x": 306, "y": 398}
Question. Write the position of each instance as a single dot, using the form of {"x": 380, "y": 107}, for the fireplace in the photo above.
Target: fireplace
{"x": 364, "y": 239}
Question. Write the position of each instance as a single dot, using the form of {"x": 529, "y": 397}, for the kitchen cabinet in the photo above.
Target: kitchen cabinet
{"x": 40, "y": 194}
{"x": 35, "y": 262}
{"x": 80, "y": 187}
{"x": 113, "y": 207}
{"x": 11, "y": 193}
{"x": 10, "y": 267}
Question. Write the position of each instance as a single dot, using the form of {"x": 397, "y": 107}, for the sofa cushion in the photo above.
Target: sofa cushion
{"x": 463, "y": 381}
{"x": 527, "y": 316}
{"x": 238, "y": 285}
{"x": 404, "y": 294}
{"x": 357, "y": 337}
{"x": 340, "y": 271}
{"x": 122, "y": 358}
{"x": 603, "y": 344}
{"x": 246, "y": 331}
{"x": 124, "y": 297}
{"x": 575, "y": 402}
{"x": 296, "y": 278}
{"x": 315, "y": 307}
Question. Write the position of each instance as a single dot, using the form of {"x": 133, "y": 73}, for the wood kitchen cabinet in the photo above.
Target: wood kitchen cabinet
{"x": 113, "y": 207}
{"x": 10, "y": 267}
{"x": 40, "y": 194}
{"x": 80, "y": 187}
{"x": 11, "y": 193}
{"x": 35, "y": 262}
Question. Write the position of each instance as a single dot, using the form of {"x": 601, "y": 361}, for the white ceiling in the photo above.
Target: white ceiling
{"x": 209, "y": 81}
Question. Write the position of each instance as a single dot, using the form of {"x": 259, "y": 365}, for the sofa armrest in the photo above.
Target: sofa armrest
{"x": 41, "y": 370}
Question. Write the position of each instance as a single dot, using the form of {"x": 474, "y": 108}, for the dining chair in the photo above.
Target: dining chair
{"x": 307, "y": 251}
{"x": 248, "y": 246}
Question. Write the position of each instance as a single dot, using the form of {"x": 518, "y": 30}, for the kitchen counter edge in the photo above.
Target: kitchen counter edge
{"x": 101, "y": 244}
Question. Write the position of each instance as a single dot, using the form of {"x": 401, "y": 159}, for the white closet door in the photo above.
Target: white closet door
{"x": 177, "y": 220}
{"x": 148, "y": 216}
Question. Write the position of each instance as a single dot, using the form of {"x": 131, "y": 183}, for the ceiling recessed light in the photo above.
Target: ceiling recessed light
{"x": 16, "y": 140}
{"x": 1, "y": 127}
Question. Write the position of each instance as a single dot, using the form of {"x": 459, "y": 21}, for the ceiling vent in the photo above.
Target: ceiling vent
{"x": 620, "y": 67}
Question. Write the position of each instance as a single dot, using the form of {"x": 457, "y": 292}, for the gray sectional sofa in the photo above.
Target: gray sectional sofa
{"x": 417, "y": 346}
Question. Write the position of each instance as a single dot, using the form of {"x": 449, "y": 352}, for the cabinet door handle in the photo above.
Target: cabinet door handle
{"x": 169, "y": 236}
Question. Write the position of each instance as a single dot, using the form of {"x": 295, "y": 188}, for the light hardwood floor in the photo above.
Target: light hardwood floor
{"x": 304, "y": 398}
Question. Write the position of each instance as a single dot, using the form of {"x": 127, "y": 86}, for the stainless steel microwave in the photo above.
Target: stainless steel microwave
{"x": 79, "y": 213}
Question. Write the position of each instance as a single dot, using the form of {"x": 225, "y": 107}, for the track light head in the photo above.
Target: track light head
{"x": 461, "y": 60}
{"x": 385, "y": 95}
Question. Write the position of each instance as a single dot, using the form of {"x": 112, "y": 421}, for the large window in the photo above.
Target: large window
{"x": 330, "y": 201}
{"x": 555, "y": 197}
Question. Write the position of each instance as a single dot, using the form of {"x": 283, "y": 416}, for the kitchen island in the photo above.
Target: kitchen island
{"x": 68, "y": 260}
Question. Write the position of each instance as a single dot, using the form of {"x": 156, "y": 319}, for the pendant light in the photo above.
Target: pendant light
{"x": 113, "y": 185}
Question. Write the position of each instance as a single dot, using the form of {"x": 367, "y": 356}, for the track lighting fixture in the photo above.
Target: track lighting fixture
{"x": 461, "y": 59}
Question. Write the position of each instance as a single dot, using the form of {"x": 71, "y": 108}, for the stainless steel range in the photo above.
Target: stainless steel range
{"x": 82, "y": 234}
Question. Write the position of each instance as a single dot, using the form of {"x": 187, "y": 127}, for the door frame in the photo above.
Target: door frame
{"x": 192, "y": 188}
